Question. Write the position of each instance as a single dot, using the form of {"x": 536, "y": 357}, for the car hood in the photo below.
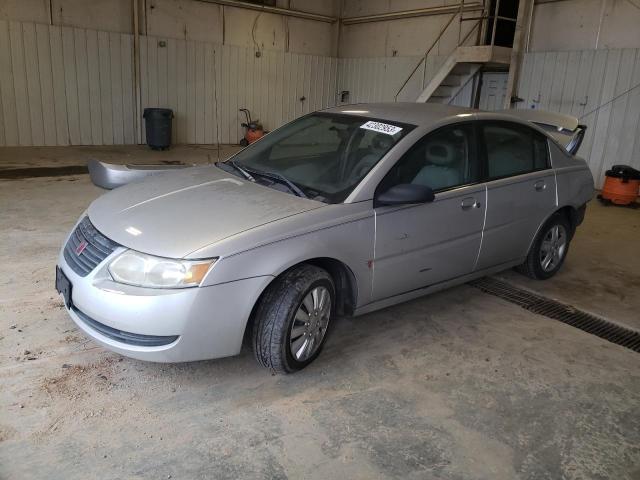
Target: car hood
{"x": 174, "y": 214}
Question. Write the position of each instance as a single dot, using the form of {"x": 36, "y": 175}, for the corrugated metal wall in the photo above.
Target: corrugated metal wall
{"x": 64, "y": 86}
{"x": 378, "y": 79}
{"x": 205, "y": 84}
{"x": 590, "y": 85}
{"x": 68, "y": 86}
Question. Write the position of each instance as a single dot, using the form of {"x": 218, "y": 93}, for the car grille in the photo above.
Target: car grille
{"x": 87, "y": 247}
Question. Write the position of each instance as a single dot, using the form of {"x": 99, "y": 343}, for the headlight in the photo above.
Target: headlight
{"x": 135, "y": 268}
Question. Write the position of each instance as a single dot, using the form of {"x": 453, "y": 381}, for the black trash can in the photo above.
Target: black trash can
{"x": 158, "y": 127}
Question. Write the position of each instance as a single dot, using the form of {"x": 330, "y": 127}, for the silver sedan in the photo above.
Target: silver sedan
{"x": 340, "y": 212}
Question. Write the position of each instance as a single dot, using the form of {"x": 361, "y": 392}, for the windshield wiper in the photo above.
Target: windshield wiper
{"x": 280, "y": 178}
{"x": 244, "y": 173}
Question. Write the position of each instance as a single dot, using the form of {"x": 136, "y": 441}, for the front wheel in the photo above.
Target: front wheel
{"x": 549, "y": 249}
{"x": 292, "y": 319}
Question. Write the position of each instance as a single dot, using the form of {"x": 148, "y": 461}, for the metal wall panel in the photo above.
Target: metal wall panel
{"x": 378, "y": 79}
{"x": 7, "y": 95}
{"x": 601, "y": 88}
{"x": 206, "y": 84}
{"x": 20, "y": 85}
{"x": 593, "y": 85}
{"x": 70, "y": 86}
{"x": 64, "y": 86}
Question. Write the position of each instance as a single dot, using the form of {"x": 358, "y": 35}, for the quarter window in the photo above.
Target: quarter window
{"x": 513, "y": 150}
{"x": 441, "y": 160}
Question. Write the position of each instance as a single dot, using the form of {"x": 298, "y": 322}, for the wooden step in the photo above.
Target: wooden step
{"x": 453, "y": 80}
{"x": 445, "y": 90}
{"x": 434, "y": 99}
{"x": 485, "y": 54}
{"x": 463, "y": 68}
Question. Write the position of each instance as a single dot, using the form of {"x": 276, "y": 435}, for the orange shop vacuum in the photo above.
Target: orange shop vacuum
{"x": 621, "y": 185}
{"x": 253, "y": 129}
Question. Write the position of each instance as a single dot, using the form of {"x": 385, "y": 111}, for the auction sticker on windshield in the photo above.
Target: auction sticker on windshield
{"x": 381, "y": 127}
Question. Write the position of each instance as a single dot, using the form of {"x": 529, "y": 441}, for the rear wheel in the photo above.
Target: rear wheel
{"x": 292, "y": 319}
{"x": 549, "y": 249}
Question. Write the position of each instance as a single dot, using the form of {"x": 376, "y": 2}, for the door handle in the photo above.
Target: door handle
{"x": 540, "y": 185}
{"x": 469, "y": 203}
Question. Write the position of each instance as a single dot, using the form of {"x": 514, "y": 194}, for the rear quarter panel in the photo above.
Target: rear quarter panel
{"x": 574, "y": 181}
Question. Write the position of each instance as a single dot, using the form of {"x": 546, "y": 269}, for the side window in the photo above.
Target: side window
{"x": 441, "y": 160}
{"x": 513, "y": 150}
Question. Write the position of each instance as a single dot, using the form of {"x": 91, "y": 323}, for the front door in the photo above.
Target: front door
{"x": 421, "y": 245}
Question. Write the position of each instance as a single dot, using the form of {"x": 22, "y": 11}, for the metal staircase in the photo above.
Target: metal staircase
{"x": 460, "y": 68}
{"x": 465, "y": 62}
{"x": 444, "y": 90}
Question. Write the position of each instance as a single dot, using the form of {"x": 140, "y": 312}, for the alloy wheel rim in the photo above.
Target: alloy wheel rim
{"x": 553, "y": 248}
{"x": 310, "y": 323}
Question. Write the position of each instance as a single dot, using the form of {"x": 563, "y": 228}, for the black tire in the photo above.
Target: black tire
{"x": 275, "y": 315}
{"x": 533, "y": 267}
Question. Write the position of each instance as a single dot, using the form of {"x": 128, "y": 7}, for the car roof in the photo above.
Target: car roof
{"x": 420, "y": 114}
{"x": 431, "y": 114}
{"x": 425, "y": 114}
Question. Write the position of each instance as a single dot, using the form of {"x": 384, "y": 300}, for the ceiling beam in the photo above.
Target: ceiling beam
{"x": 277, "y": 10}
{"x": 418, "y": 12}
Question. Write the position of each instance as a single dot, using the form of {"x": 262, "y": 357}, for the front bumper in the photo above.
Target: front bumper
{"x": 198, "y": 323}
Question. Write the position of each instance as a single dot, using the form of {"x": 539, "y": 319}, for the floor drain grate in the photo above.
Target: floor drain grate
{"x": 559, "y": 311}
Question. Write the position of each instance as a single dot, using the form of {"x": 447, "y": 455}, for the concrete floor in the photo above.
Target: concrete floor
{"x": 457, "y": 385}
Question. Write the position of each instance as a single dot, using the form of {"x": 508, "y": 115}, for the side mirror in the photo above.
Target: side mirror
{"x": 404, "y": 194}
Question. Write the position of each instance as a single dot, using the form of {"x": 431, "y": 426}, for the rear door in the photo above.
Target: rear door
{"x": 521, "y": 190}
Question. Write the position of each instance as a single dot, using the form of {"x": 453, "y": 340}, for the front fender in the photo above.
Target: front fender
{"x": 351, "y": 243}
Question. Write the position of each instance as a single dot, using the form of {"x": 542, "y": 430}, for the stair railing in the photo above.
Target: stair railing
{"x": 424, "y": 57}
{"x": 480, "y": 22}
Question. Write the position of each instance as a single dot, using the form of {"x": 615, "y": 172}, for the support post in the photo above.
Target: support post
{"x": 136, "y": 68}
{"x": 525, "y": 10}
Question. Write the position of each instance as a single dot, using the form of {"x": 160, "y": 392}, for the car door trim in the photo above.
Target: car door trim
{"x": 484, "y": 224}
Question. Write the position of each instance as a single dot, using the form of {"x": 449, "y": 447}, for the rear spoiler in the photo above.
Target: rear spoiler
{"x": 110, "y": 175}
{"x": 565, "y": 129}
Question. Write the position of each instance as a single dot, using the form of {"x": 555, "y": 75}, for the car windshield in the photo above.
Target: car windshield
{"x": 321, "y": 156}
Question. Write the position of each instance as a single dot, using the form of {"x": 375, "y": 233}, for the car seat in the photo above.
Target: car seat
{"x": 380, "y": 144}
{"x": 441, "y": 170}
